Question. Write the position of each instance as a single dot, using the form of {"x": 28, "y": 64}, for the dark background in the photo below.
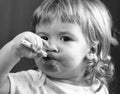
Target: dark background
{"x": 16, "y": 17}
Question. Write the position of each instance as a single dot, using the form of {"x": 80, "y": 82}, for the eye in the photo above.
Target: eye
{"x": 44, "y": 37}
{"x": 65, "y": 38}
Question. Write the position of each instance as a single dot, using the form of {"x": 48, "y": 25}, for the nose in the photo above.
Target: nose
{"x": 53, "y": 47}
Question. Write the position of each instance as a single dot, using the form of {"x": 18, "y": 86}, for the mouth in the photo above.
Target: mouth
{"x": 50, "y": 63}
{"x": 50, "y": 57}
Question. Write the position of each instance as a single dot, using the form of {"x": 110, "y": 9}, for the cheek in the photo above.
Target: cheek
{"x": 71, "y": 60}
{"x": 76, "y": 53}
{"x": 37, "y": 62}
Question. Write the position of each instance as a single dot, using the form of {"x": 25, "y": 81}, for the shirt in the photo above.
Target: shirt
{"x": 35, "y": 82}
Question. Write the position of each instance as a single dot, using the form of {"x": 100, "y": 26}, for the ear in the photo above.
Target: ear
{"x": 94, "y": 47}
{"x": 92, "y": 53}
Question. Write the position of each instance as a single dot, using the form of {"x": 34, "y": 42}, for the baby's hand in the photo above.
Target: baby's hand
{"x": 29, "y": 45}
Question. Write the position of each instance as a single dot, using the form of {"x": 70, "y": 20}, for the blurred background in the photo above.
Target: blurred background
{"x": 16, "y": 17}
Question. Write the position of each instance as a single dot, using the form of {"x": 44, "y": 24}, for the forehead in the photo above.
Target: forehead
{"x": 57, "y": 25}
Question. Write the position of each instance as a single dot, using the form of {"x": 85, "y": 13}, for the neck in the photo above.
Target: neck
{"x": 77, "y": 81}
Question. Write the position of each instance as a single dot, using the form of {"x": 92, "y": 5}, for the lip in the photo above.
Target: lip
{"x": 50, "y": 57}
{"x": 50, "y": 63}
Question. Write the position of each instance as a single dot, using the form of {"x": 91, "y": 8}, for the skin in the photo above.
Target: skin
{"x": 64, "y": 44}
{"x": 67, "y": 47}
{"x": 13, "y": 51}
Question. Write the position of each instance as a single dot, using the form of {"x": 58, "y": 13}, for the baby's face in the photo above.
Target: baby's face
{"x": 67, "y": 48}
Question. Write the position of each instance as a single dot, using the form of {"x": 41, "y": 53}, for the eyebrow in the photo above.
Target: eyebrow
{"x": 60, "y": 33}
{"x": 43, "y": 33}
{"x": 65, "y": 32}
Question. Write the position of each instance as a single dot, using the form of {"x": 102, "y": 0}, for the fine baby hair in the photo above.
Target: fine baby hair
{"x": 95, "y": 22}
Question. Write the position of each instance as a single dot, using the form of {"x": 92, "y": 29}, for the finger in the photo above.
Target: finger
{"x": 33, "y": 40}
{"x": 26, "y": 43}
{"x": 31, "y": 55}
{"x": 39, "y": 43}
{"x": 45, "y": 43}
{"x": 42, "y": 53}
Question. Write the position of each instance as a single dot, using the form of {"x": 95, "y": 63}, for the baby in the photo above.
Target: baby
{"x": 69, "y": 43}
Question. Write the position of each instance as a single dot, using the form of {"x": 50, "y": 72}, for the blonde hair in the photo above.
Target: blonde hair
{"x": 95, "y": 21}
